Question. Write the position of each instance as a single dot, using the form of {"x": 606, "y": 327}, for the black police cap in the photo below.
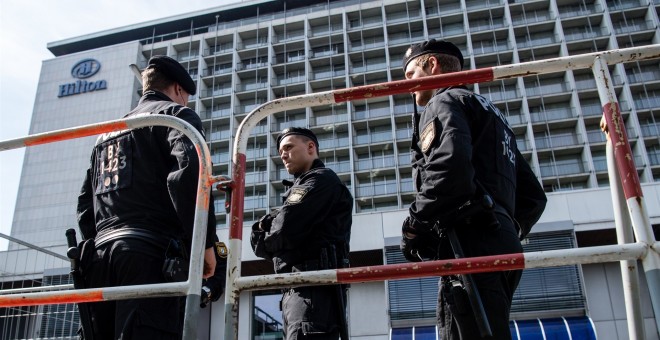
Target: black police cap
{"x": 173, "y": 71}
{"x": 297, "y": 131}
{"x": 432, "y": 46}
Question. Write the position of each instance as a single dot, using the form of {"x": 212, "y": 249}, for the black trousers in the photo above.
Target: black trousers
{"x": 456, "y": 320}
{"x": 126, "y": 262}
{"x": 311, "y": 313}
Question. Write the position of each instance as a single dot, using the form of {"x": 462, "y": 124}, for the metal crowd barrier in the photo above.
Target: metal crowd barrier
{"x": 645, "y": 249}
{"x": 191, "y": 287}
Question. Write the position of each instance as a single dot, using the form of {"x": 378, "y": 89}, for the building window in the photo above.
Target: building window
{"x": 551, "y": 290}
{"x": 266, "y": 315}
{"x": 414, "y": 333}
{"x": 412, "y": 298}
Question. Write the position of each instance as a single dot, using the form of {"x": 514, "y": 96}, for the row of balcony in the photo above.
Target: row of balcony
{"x": 515, "y": 117}
{"x": 542, "y": 116}
{"x": 363, "y": 190}
{"x": 378, "y": 64}
{"x": 356, "y": 21}
{"x": 648, "y": 129}
{"x": 530, "y": 39}
{"x": 495, "y": 93}
{"x": 405, "y": 186}
{"x": 380, "y": 162}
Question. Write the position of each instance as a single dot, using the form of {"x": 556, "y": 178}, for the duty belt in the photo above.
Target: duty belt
{"x": 132, "y": 233}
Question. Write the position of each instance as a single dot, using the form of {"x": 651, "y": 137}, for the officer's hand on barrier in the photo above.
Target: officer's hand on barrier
{"x": 408, "y": 251}
{"x": 409, "y": 240}
{"x": 419, "y": 241}
{"x": 205, "y": 297}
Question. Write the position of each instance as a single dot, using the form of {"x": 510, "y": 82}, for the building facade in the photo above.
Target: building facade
{"x": 252, "y": 52}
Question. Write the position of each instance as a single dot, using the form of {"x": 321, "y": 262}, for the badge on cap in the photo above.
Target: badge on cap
{"x": 221, "y": 249}
{"x": 296, "y": 195}
{"x": 428, "y": 135}
{"x": 408, "y": 53}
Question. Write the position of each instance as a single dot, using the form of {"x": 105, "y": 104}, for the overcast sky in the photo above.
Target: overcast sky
{"x": 25, "y": 29}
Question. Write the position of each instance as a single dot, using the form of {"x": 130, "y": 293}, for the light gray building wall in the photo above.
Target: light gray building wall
{"x": 52, "y": 173}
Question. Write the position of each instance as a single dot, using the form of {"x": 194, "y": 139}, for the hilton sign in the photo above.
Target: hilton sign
{"x": 83, "y": 70}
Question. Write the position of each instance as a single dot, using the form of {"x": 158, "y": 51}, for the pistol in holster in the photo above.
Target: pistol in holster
{"x": 175, "y": 267}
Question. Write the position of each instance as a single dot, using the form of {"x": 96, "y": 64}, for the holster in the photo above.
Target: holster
{"x": 478, "y": 212}
{"x": 175, "y": 267}
{"x": 87, "y": 251}
{"x": 455, "y": 295}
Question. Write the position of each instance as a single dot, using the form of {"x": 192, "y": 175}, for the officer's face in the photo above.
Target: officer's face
{"x": 414, "y": 71}
{"x": 297, "y": 154}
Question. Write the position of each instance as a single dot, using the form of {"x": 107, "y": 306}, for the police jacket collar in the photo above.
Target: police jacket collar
{"x": 443, "y": 89}
{"x": 315, "y": 165}
{"x": 153, "y": 95}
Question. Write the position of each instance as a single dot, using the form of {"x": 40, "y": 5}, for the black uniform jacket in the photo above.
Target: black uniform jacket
{"x": 144, "y": 178}
{"x": 461, "y": 138}
{"x": 317, "y": 212}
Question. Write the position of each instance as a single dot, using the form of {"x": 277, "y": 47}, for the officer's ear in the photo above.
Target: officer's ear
{"x": 311, "y": 147}
{"x": 435, "y": 65}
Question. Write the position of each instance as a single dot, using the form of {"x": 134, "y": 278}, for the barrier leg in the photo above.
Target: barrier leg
{"x": 191, "y": 316}
{"x": 629, "y": 274}
{"x": 235, "y": 247}
{"x": 629, "y": 180}
{"x": 651, "y": 262}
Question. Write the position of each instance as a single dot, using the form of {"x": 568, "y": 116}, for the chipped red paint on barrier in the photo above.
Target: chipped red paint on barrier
{"x": 623, "y": 155}
{"x": 412, "y": 85}
{"x": 84, "y": 132}
{"x": 18, "y": 300}
{"x": 237, "y": 198}
{"x": 444, "y": 267}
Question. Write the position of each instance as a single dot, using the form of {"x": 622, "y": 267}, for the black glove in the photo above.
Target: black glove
{"x": 267, "y": 220}
{"x": 409, "y": 252}
{"x": 205, "y": 297}
{"x": 418, "y": 241}
{"x": 210, "y": 293}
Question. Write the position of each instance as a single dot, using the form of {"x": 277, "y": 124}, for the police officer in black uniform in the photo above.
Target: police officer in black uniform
{"x": 311, "y": 231}
{"x": 469, "y": 176}
{"x": 136, "y": 210}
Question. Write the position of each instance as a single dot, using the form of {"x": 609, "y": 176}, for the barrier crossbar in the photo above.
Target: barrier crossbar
{"x": 645, "y": 248}
{"x": 191, "y": 287}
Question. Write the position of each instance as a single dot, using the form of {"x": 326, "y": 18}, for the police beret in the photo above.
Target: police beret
{"x": 431, "y": 46}
{"x": 297, "y": 131}
{"x": 173, "y": 71}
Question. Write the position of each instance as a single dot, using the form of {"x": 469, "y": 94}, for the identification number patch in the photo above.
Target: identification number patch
{"x": 296, "y": 195}
{"x": 114, "y": 164}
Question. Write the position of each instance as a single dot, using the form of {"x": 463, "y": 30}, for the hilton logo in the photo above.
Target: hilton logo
{"x": 82, "y": 70}
{"x": 85, "y": 68}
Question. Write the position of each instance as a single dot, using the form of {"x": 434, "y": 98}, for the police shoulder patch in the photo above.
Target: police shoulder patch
{"x": 296, "y": 195}
{"x": 427, "y": 136}
{"x": 221, "y": 249}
